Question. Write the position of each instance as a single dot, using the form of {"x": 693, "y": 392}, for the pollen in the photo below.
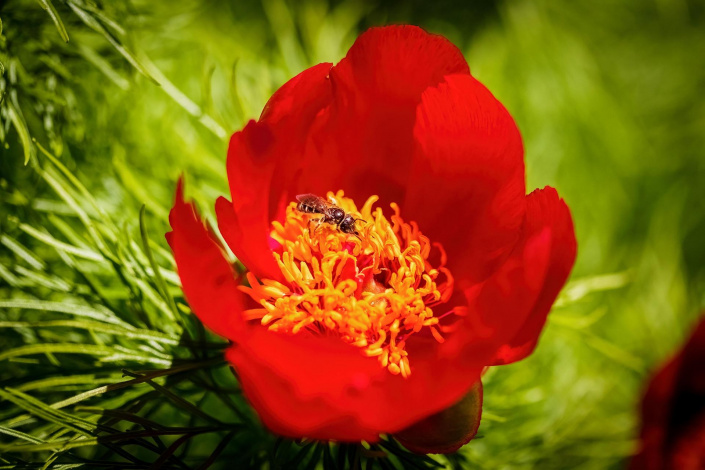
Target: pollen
{"x": 374, "y": 290}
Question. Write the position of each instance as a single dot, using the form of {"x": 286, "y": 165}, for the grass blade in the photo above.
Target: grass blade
{"x": 49, "y": 7}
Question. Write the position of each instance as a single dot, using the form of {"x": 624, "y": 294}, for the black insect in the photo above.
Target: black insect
{"x": 347, "y": 225}
{"x": 331, "y": 214}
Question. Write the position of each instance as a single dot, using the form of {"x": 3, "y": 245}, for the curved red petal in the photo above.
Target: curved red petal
{"x": 245, "y": 223}
{"x": 274, "y": 144}
{"x": 362, "y": 143}
{"x": 544, "y": 210}
{"x": 306, "y": 93}
{"x": 252, "y": 251}
{"x": 510, "y": 306}
{"x": 322, "y": 388}
{"x": 207, "y": 278}
{"x": 655, "y": 414}
{"x": 397, "y": 63}
{"x": 689, "y": 451}
{"x": 466, "y": 188}
{"x": 673, "y": 410}
{"x": 448, "y": 430}
{"x": 304, "y": 386}
{"x": 352, "y": 131}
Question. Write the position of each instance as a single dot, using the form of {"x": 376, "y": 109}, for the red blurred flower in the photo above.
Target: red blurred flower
{"x": 400, "y": 117}
{"x": 673, "y": 412}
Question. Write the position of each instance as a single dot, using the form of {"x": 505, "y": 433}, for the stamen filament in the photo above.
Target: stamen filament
{"x": 374, "y": 291}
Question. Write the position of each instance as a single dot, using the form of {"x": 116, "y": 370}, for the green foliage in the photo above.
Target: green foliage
{"x": 103, "y": 105}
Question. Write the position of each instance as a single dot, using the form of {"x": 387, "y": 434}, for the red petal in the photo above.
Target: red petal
{"x": 689, "y": 452}
{"x": 306, "y": 93}
{"x": 656, "y": 409}
{"x": 274, "y": 144}
{"x": 357, "y": 137}
{"x": 673, "y": 411}
{"x": 466, "y": 189}
{"x": 363, "y": 142}
{"x": 512, "y": 304}
{"x": 544, "y": 210}
{"x": 396, "y": 64}
{"x": 207, "y": 278}
{"x": 447, "y": 430}
{"x": 321, "y": 388}
{"x": 305, "y": 386}
{"x": 252, "y": 250}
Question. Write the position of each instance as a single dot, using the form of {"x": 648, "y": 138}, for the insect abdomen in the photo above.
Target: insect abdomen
{"x": 310, "y": 204}
{"x": 307, "y": 208}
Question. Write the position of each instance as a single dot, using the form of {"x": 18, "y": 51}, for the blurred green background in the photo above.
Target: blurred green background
{"x": 608, "y": 97}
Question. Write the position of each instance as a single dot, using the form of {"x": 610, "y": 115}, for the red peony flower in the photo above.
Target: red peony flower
{"x": 673, "y": 411}
{"x": 377, "y": 325}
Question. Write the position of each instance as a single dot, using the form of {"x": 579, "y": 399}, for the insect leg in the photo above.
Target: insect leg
{"x": 318, "y": 224}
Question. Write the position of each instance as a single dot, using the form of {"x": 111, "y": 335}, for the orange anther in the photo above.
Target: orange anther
{"x": 436, "y": 334}
{"x": 374, "y": 292}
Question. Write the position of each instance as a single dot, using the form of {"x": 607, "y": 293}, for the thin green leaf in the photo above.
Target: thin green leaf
{"x": 61, "y": 246}
{"x": 62, "y": 381}
{"x": 184, "y": 101}
{"x": 21, "y": 128}
{"x": 109, "y": 22}
{"x": 44, "y": 280}
{"x": 22, "y": 252}
{"x": 614, "y": 352}
{"x": 58, "y": 445}
{"x": 65, "y": 348}
{"x": 8, "y": 277}
{"x": 131, "y": 333}
{"x": 68, "y": 232}
{"x": 47, "y": 413}
{"x": 128, "y": 383}
{"x": 51, "y": 177}
{"x": 19, "y": 435}
{"x": 161, "y": 285}
{"x": 137, "y": 188}
{"x": 97, "y": 313}
{"x": 104, "y": 66}
{"x": 85, "y": 194}
{"x": 579, "y": 288}
{"x": 49, "y": 7}
{"x": 121, "y": 357}
{"x": 98, "y": 27}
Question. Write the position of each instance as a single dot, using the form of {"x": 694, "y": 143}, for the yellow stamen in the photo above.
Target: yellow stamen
{"x": 374, "y": 292}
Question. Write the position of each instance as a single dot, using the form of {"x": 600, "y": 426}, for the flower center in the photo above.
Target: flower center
{"x": 373, "y": 286}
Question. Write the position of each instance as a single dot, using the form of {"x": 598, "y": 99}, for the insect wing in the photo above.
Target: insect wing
{"x": 308, "y": 198}
{"x": 310, "y": 203}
